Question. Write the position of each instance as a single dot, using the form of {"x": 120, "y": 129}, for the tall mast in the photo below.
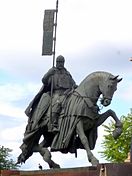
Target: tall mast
{"x": 54, "y": 39}
{"x": 52, "y": 80}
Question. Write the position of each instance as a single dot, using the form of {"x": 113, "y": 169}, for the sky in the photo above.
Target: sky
{"x": 91, "y": 35}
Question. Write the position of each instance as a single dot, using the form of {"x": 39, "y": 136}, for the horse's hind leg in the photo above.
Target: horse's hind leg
{"x": 83, "y": 138}
{"x": 45, "y": 153}
{"x": 47, "y": 158}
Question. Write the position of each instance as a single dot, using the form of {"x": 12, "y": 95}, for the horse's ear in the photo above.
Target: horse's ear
{"x": 118, "y": 80}
{"x": 114, "y": 77}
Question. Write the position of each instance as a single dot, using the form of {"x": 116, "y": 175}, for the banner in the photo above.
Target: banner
{"x": 48, "y": 28}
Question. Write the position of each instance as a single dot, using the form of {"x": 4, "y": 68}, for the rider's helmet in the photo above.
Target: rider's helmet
{"x": 60, "y": 59}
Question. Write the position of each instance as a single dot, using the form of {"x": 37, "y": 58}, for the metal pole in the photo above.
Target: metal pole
{"x": 52, "y": 80}
{"x": 131, "y": 137}
{"x": 131, "y": 151}
{"x": 55, "y": 24}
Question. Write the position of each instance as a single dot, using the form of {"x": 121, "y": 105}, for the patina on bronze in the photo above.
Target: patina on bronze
{"x": 78, "y": 119}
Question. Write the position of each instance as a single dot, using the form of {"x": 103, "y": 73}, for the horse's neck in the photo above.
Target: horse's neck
{"x": 91, "y": 85}
{"x": 90, "y": 88}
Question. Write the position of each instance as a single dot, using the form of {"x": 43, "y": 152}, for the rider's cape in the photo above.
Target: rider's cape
{"x": 35, "y": 101}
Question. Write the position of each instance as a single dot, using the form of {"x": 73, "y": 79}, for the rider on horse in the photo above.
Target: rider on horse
{"x": 62, "y": 82}
{"x": 78, "y": 121}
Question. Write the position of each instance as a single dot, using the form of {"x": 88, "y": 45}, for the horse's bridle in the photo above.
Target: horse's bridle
{"x": 83, "y": 97}
{"x": 101, "y": 99}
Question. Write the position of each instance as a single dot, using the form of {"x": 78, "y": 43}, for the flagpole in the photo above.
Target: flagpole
{"x": 52, "y": 80}
{"x": 54, "y": 39}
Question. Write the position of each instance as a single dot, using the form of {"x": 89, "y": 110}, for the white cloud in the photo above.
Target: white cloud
{"x": 79, "y": 24}
{"x": 11, "y": 92}
{"x": 10, "y": 110}
{"x": 14, "y": 136}
{"x": 126, "y": 94}
{"x": 84, "y": 23}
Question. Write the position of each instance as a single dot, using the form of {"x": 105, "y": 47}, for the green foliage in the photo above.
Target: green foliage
{"x": 5, "y": 161}
{"x": 116, "y": 151}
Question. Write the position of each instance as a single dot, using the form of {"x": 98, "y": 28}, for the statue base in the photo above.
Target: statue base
{"x": 106, "y": 169}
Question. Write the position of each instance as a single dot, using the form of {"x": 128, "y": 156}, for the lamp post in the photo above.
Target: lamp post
{"x": 131, "y": 152}
{"x": 130, "y": 59}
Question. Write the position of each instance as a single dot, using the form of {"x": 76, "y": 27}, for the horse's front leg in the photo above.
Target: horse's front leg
{"x": 118, "y": 125}
{"x": 83, "y": 138}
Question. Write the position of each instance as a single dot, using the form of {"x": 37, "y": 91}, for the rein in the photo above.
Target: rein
{"x": 75, "y": 93}
{"x": 79, "y": 95}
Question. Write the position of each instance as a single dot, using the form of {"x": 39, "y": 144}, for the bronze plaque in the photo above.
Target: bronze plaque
{"x": 48, "y": 28}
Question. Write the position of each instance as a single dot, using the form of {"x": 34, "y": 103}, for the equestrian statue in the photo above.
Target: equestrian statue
{"x": 67, "y": 115}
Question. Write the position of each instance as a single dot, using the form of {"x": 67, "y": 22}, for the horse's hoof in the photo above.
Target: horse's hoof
{"x": 94, "y": 162}
{"x": 117, "y": 132}
{"x": 57, "y": 166}
{"x": 53, "y": 165}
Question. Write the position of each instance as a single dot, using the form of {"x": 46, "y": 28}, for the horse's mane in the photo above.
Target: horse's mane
{"x": 97, "y": 74}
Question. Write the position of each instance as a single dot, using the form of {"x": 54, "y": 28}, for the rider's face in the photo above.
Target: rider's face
{"x": 60, "y": 64}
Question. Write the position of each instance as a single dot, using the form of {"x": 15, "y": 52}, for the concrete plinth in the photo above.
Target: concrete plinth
{"x": 108, "y": 169}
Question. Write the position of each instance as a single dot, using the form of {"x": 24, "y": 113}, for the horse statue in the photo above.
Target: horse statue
{"x": 78, "y": 121}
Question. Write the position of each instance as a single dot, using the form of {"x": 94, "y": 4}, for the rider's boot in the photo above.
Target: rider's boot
{"x": 55, "y": 122}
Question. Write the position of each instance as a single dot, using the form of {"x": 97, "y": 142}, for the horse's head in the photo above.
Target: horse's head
{"x": 108, "y": 88}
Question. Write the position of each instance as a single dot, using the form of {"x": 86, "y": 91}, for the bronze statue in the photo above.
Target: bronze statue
{"x": 60, "y": 82}
{"x": 78, "y": 118}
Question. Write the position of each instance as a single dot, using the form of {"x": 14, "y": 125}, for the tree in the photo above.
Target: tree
{"x": 117, "y": 150}
{"x": 5, "y": 161}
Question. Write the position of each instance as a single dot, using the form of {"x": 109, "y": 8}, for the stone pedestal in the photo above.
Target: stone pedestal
{"x": 124, "y": 169}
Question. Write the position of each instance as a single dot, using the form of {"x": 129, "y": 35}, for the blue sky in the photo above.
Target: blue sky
{"x": 91, "y": 36}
